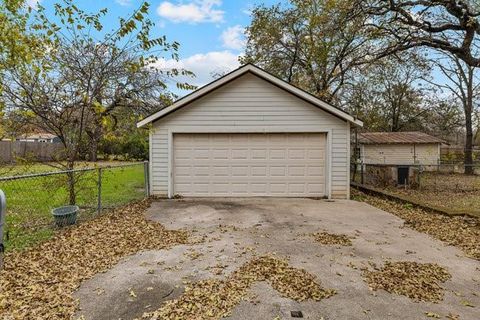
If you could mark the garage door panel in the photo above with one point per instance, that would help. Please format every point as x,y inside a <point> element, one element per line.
<point>220,153</point>
<point>259,171</point>
<point>296,188</point>
<point>316,153</point>
<point>240,171</point>
<point>259,154</point>
<point>183,154</point>
<point>278,154</point>
<point>296,171</point>
<point>239,188</point>
<point>296,154</point>
<point>199,171</point>
<point>240,153</point>
<point>317,171</point>
<point>279,188</point>
<point>220,188</point>
<point>249,164</point>
<point>199,153</point>
<point>220,171</point>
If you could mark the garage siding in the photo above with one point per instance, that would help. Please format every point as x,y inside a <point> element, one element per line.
<point>245,103</point>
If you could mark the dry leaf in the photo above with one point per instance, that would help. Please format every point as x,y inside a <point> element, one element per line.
<point>467,304</point>
<point>418,281</point>
<point>38,283</point>
<point>215,298</point>
<point>332,239</point>
<point>462,232</point>
<point>432,315</point>
<point>132,293</point>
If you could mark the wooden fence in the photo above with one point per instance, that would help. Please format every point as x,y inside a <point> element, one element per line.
<point>11,151</point>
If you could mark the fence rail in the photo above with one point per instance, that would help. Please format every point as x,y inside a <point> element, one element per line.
<point>32,197</point>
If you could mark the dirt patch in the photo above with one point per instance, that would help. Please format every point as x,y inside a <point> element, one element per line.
<point>38,283</point>
<point>332,239</point>
<point>214,299</point>
<point>462,232</point>
<point>418,281</point>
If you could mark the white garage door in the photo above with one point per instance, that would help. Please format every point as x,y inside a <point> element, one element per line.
<point>274,164</point>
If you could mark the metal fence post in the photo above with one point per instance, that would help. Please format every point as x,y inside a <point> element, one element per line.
<point>3,210</point>
<point>146,175</point>
<point>99,196</point>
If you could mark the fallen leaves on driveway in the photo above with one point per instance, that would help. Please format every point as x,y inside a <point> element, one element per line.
<point>462,232</point>
<point>214,298</point>
<point>332,239</point>
<point>38,283</point>
<point>418,281</point>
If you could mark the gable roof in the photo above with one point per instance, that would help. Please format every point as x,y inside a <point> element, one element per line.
<point>250,68</point>
<point>415,137</point>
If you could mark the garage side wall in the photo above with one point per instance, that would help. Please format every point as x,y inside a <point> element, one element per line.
<point>251,104</point>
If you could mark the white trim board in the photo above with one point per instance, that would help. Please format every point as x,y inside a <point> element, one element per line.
<point>260,73</point>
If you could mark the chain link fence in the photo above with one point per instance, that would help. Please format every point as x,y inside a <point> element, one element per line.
<point>452,187</point>
<point>31,198</point>
<point>418,176</point>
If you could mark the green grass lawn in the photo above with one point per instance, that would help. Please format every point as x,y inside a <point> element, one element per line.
<point>30,200</point>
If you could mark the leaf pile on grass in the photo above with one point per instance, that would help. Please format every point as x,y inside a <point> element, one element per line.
<point>418,281</point>
<point>38,283</point>
<point>214,298</point>
<point>462,232</point>
<point>326,238</point>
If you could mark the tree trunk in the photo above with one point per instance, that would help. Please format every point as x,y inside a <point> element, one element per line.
<point>468,161</point>
<point>94,150</point>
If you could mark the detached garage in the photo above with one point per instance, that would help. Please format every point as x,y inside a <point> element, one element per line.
<point>250,134</point>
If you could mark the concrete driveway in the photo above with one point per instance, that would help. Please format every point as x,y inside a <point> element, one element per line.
<point>234,230</point>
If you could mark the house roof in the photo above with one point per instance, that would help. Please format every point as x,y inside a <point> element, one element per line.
<point>415,137</point>
<point>250,68</point>
<point>41,135</point>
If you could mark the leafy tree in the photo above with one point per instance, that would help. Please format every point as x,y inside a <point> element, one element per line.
<point>451,26</point>
<point>17,45</point>
<point>313,44</point>
<point>387,95</point>
<point>445,119</point>
<point>463,83</point>
<point>87,74</point>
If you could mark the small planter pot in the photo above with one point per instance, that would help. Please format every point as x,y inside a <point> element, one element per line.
<point>65,216</point>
